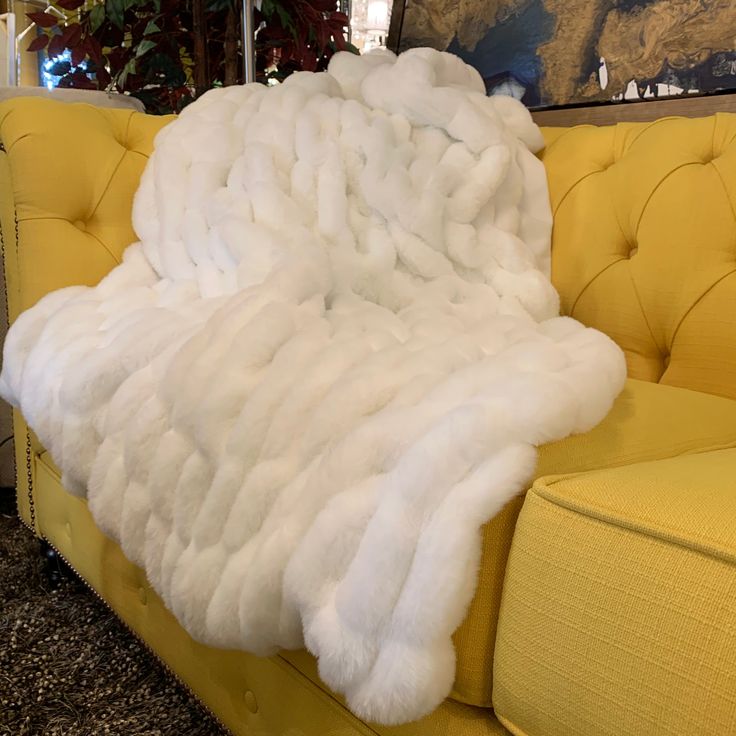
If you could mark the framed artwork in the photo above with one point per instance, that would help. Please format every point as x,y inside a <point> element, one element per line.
<point>555,53</point>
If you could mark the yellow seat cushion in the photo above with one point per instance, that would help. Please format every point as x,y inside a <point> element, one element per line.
<point>648,421</point>
<point>247,693</point>
<point>619,610</point>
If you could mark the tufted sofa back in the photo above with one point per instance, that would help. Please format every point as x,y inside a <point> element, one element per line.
<point>67,179</point>
<point>644,242</point>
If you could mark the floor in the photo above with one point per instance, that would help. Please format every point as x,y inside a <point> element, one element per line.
<point>67,666</point>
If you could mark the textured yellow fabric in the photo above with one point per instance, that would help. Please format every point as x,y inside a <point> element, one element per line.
<point>644,249</point>
<point>644,243</point>
<point>9,246</point>
<point>285,691</point>
<point>619,610</point>
<point>648,421</point>
<point>73,194</point>
<point>68,199</point>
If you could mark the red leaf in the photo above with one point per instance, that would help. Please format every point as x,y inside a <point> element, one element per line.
<point>56,46</point>
<point>117,59</point>
<point>94,50</point>
<point>43,20</point>
<point>103,78</point>
<point>323,5</point>
<point>38,43</point>
<point>70,4</point>
<point>81,81</point>
<point>323,35</point>
<point>134,82</point>
<point>309,60</point>
<point>339,41</point>
<point>72,35</point>
<point>78,55</point>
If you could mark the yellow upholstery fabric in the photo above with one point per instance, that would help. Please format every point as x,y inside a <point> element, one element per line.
<point>619,609</point>
<point>72,170</point>
<point>280,696</point>
<point>648,421</point>
<point>68,173</point>
<point>644,243</point>
<point>632,184</point>
<point>644,249</point>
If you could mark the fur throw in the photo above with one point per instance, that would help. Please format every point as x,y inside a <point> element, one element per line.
<point>325,365</point>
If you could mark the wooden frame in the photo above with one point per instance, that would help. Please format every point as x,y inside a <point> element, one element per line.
<point>604,113</point>
<point>636,112</point>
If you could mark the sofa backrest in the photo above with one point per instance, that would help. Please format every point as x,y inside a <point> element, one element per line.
<point>68,173</point>
<point>644,242</point>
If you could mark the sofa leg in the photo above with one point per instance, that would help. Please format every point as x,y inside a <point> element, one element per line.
<point>54,567</point>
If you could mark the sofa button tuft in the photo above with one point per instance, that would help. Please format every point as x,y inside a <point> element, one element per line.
<point>80,225</point>
<point>250,701</point>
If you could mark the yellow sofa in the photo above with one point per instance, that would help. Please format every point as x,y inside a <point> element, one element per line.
<point>606,601</point>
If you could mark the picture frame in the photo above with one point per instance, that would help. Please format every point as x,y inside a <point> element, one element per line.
<point>560,53</point>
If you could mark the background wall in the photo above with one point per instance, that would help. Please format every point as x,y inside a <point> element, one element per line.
<point>562,52</point>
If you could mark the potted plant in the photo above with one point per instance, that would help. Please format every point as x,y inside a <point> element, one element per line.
<point>167,52</point>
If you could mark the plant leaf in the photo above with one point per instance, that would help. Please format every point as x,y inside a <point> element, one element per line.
<point>78,55</point>
<point>81,81</point>
<point>56,46</point>
<point>129,68</point>
<point>115,10</point>
<point>96,17</point>
<point>151,28</point>
<point>72,35</point>
<point>285,17</point>
<point>94,50</point>
<point>215,6</point>
<point>38,43</point>
<point>145,46</point>
<point>43,20</point>
<point>70,4</point>
<point>103,78</point>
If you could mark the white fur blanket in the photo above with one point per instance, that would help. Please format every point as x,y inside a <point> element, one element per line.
<point>326,364</point>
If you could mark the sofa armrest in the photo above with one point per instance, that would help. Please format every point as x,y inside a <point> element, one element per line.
<point>648,421</point>
<point>68,173</point>
<point>619,603</point>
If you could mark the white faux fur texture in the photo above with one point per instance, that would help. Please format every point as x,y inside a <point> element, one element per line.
<point>326,364</point>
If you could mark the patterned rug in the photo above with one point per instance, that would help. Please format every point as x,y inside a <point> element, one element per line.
<point>68,667</point>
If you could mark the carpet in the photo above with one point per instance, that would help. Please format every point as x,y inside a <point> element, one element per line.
<point>68,667</point>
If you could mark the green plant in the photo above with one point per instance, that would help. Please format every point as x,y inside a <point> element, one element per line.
<point>167,52</point>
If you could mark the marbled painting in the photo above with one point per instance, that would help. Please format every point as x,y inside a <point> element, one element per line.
<point>563,52</point>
